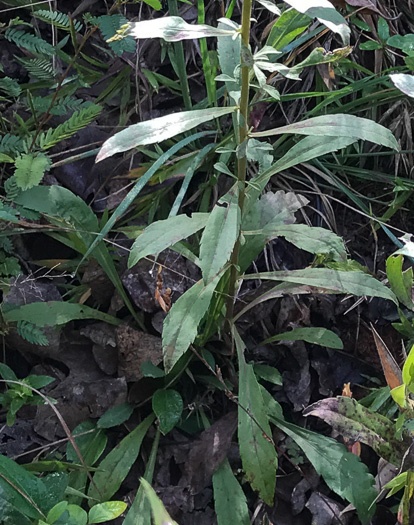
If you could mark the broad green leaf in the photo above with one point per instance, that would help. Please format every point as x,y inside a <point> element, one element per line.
<point>408,371</point>
<point>168,406</point>
<point>229,57</point>
<point>56,511</point>
<point>115,416</point>
<point>401,283</point>
<point>339,125</point>
<point>158,129</point>
<point>404,83</point>
<point>162,234</point>
<point>316,336</point>
<point>77,516</point>
<point>286,28</point>
<point>356,422</point>
<point>174,29</point>
<point>181,323</point>
<point>160,515</point>
<point>325,12</point>
<point>229,500</point>
<point>309,238</point>
<point>155,4</point>
<point>219,236</point>
<point>103,512</point>
<point>31,496</point>
<point>30,169</point>
<point>268,373</point>
<point>52,313</point>
<point>114,468</point>
<point>356,283</point>
<point>343,472</point>
<point>258,455</point>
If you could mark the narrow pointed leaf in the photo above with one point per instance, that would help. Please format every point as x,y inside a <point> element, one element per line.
<point>229,500</point>
<point>325,12</point>
<point>161,234</point>
<point>114,468</point>
<point>316,336</point>
<point>356,283</point>
<point>258,455</point>
<point>174,29</point>
<point>343,472</point>
<point>338,126</point>
<point>219,236</point>
<point>181,323</point>
<point>392,371</point>
<point>158,129</point>
<point>160,515</point>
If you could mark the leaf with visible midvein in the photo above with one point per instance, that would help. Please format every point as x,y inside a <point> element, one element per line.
<point>229,499</point>
<point>258,455</point>
<point>174,29</point>
<point>316,336</point>
<point>161,234</point>
<point>158,129</point>
<point>338,126</point>
<point>343,472</point>
<point>325,12</point>
<point>114,468</point>
<point>219,236</point>
<point>356,283</point>
<point>181,323</point>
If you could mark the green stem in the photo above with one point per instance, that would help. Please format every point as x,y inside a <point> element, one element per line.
<point>179,55</point>
<point>241,137</point>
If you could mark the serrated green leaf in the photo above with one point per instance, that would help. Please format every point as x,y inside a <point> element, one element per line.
<point>356,283</point>
<point>229,500</point>
<point>316,336</point>
<point>219,236</point>
<point>103,512</point>
<point>181,323</point>
<point>339,125</point>
<point>258,455</point>
<point>116,465</point>
<point>158,129</point>
<point>162,234</point>
<point>30,169</point>
<point>168,406</point>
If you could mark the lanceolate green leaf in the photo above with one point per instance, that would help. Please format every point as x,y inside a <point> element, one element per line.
<point>317,336</point>
<point>161,234</point>
<point>286,28</point>
<point>342,471</point>
<point>159,514</point>
<point>219,236</point>
<point>181,323</point>
<point>54,313</point>
<point>258,455</point>
<point>325,12</point>
<point>229,500</point>
<point>356,283</point>
<point>338,126</point>
<point>158,129</point>
<point>114,468</point>
<point>174,29</point>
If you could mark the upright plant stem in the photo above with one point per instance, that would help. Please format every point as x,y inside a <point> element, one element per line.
<point>241,137</point>
<point>179,54</point>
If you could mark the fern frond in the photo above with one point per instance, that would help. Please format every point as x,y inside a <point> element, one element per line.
<point>109,24</point>
<point>30,168</point>
<point>40,68</point>
<point>11,144</point>
<point>59,20</point>
<point>79,120</point>
<point>32,333</point>
<point>10,86</point>
<point>30,42</point>
<point>61,106</point>
<point>11,188</point>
